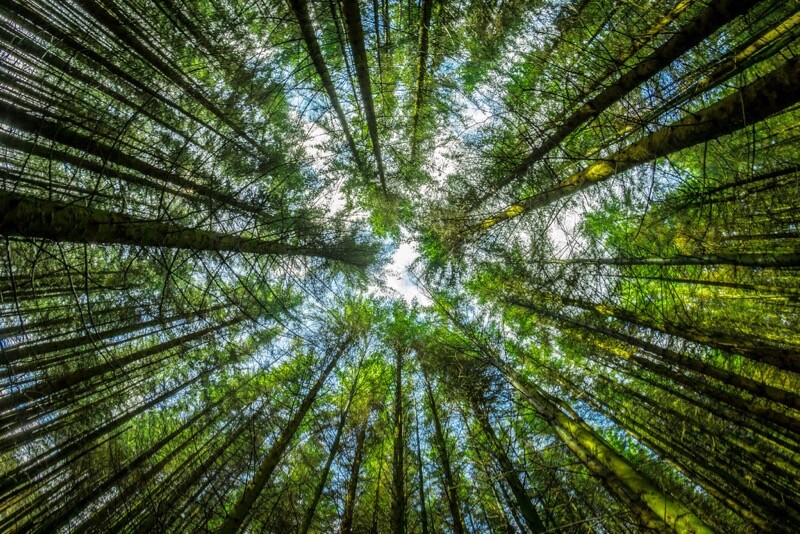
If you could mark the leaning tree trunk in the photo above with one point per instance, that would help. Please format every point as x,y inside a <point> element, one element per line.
<point>422,67</point>
<point>355,34</point>
<point>33,217</point>
<point>450,489</point>
<point>235,519</point>
<point>754,387</point>
<point>300,9</point>
<point>652,506</point>
<point>717,14</point>
<point>323,476</point>
<point>352,481</point>
<point>532,519</point>
<point>755,102</point>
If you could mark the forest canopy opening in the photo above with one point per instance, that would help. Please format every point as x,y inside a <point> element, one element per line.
<point>399,266</point>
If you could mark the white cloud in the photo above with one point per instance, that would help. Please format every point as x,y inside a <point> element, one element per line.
<point>397,280</point>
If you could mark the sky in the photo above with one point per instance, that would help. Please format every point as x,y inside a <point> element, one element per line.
<point>396,279</point>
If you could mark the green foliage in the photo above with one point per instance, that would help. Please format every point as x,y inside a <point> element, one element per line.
<point>199,205</point>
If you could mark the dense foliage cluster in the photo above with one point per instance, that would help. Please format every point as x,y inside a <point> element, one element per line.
<point>202,203</point>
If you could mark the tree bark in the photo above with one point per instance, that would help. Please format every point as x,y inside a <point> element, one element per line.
<point>31,217</point>
<point>754,103</point>
<point>235,519</point>
<point>716,15</point>
<point>398,510</point>
<point>355,34</point>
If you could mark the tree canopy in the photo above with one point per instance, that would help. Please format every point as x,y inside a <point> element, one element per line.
<point>395,266</point>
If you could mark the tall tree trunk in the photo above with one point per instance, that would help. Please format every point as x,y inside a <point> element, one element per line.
<point>653,507</point>
<point>55,521</point>
<point>171,494</point>
<point>785,358</point>
<point>752,386</point>
<point>32,217</point>
<point>13,354</point>
<point>70,380</point>
<point>29,470</point>
<point>744,259</point>
<point>300,9</point>
<point>355,34</point>
<point>422,67</point>
<point>86,144</point>
<point>757,101</point>
<point>308,517</point>
<point>450,486</point>
<point>421,478</point>
<point>323,477</point>
<point>352,482</point>
<point>235,519</point>
<point>532,519</point>
<point>716,15</point>
<point>375,505</point>
<point>398,511</point>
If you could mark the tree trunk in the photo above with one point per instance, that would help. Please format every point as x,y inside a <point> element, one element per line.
<point>422,66</point>
<point>654,508</point>
<point>352,483</point>
<point>31,217</point>
<point>716,15</point>
<point>355,34</point>
<point>235,519</point>
<point>300,9</point>
<point>754,103</point>
<point>68,381</point>
<point>323,478</point>
<point>752,386</point>
<point>421,478</point>
<point>532,519</point>
<point>450,486</point>
<point>398,511</point>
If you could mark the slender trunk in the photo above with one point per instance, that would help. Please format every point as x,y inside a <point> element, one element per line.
<point>335,6</point>
<point>421,478</point>
<point>13,354</point>
<point>532,519</point>
<point>32,468</point>
<point>123,28</point>
<point>355,34</point>
<point>684,465</point>
<point>54,522</point>
<point>70,380</point>
<point>422,66</point>
<point>762,413</point>
<point>783,358</point>
<point>760,289</point>
<point>300,9</point>
<point>52,324</point>
<point>398,510</point>
<point>653,507</point>
<point>168,498</point>
<point>376,505</point>
<point>69,43</point>
<point>733,189</point>
<point>32,217</point>
<point>450,486</point>
<point>756,260</point>
<point>323,477</point>
<point>752,386</point>
<point>716,15</point>
<point>154,178</point>
<point>352,483</point>
<point>754,103</point>
<point>235,519</point>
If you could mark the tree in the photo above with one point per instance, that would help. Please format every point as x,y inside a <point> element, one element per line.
<point>399,266</point>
